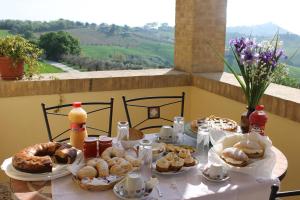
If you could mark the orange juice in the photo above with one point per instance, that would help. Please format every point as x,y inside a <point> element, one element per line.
<point>77,117</point>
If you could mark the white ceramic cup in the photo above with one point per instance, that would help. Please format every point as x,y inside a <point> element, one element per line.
<point>215,170</point>
<point>166,133</point>
<point>134,185</point>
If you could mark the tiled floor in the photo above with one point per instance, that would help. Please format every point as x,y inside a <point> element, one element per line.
<point>5,193</point>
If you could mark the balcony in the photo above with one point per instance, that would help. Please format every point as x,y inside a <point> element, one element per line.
<point>197,72</point>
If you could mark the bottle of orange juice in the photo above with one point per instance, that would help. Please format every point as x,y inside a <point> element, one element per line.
<point>77,117</point>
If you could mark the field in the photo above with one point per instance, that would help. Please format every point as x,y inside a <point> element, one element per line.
<point>46,68</point>
<point>3,33</point>
<point>294,72</point>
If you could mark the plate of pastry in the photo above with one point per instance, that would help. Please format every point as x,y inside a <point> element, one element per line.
<point>175,163</point>
<point>219,123</point>
<point>39,162</point>
<point>248,153</point>
<point>99,174</point>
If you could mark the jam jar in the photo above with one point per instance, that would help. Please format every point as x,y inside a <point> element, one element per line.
<point>104,143</point>
<point>90,147</point>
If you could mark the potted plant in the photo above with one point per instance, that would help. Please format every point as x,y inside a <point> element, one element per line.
<point>16,51</point>
<point>258,65</point>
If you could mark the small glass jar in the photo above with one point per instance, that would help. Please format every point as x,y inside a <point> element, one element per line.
<point>104,143</point>
<point>90,147</point>
<point>178,130</point>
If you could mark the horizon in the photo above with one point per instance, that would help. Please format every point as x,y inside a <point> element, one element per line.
<point>122,12</point>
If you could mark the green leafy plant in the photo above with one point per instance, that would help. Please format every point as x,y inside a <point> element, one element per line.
<point>21,50</point>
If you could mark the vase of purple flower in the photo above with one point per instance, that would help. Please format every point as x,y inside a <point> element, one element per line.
<point>258,64</point>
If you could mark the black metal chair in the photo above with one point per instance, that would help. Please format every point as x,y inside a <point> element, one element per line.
<point>153,110</point>
<point>275,194</point>
<point>57,111</point>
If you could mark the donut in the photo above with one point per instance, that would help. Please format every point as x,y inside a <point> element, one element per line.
<point>112,152</point>
<point>37,158</point>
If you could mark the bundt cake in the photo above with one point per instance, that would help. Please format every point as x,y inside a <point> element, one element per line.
<point>37,158</point>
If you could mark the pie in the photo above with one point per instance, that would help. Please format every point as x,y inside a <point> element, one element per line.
<point>216,122</point>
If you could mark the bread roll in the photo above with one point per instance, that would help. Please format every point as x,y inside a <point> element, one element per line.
<point>87,172</point>
<point>251,148</point>
<point>235,157</point>
<point>92,162</point>
<point>102,168</point>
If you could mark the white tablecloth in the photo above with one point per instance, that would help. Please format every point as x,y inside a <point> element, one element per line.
<point>190,185</point>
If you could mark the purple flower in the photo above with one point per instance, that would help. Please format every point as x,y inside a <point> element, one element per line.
<point>241,43</point>
<point>267,58</point>
<point>249,56</point>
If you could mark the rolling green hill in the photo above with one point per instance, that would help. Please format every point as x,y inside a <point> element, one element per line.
<point>3,33</point>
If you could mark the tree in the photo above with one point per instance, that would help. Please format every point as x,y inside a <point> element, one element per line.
<point>57,44</point>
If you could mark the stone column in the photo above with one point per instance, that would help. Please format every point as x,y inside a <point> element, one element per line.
<point>199,22</point>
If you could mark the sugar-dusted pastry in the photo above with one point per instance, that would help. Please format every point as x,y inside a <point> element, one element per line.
<point>102,168</point>
<point>170,148</point>
<point>176,164</point>
<point>184,153</point>
<point>92,162</point>
<point>162,165</point>
<point>112,152</point>
<point>252,148</point>
<point>87,172</point>
<point>235,157</point>
<point>171,156</point>
<point>134,161</point>
<point>189,161</point>
<point>121,169</point>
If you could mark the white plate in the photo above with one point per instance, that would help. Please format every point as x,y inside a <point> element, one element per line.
<point>182,170</point>
<point>58,171</point>
<point>207,177</point>
<point>125,198</point>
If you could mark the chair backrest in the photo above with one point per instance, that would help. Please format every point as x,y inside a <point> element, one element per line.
<point>97,107</point>
<point>153,110</point>
<point>275,194</point>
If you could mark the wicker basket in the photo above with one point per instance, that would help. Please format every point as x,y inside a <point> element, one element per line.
<point>96,187</point>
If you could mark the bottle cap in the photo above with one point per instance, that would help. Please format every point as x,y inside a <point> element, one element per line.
<point>77,104</point>
<point>259,107</point>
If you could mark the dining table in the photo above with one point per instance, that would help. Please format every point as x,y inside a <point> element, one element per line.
<point>188,185</point>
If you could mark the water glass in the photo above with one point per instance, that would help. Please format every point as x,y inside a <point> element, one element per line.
<point>178,130</point>
<point>145,154</point>
<point>203,143</point>
<point>122,131</point>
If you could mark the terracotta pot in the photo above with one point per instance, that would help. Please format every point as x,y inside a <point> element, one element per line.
<point>245,120</point>
<point>10,72</point>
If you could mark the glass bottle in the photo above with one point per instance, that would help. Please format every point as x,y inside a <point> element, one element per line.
<point>145,154</point>
<point>122,132</point>
<point>203,143</point>
<point>178,130</point>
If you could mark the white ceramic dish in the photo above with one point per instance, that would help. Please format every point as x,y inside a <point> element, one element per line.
<point>225,176</point>
<point>118,188</point>
<point>58,171</point>
<point>182,170</point>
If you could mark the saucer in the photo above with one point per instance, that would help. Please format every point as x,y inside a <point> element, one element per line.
<point>119,191</point>
<point>222,178</point>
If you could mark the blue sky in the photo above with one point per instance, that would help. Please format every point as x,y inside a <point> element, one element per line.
<point>285,13</point>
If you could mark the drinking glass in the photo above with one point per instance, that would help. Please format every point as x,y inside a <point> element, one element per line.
<point>178,130</point>
<point>122,132</point>
<point>145,154</point>
<point>203,143</point>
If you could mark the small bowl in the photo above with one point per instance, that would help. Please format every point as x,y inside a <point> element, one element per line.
<point>135,136</point>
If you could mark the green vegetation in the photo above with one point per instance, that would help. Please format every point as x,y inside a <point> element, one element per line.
<point>46,68</point>
<point>20,49</point>
<point>3,33</point>
<point>57,44</point>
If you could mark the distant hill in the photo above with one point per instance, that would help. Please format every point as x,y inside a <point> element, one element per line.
<point>267,29</point>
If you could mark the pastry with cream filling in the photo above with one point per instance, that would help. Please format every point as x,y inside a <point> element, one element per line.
<point>251,148</point>
<point>235,157</point>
